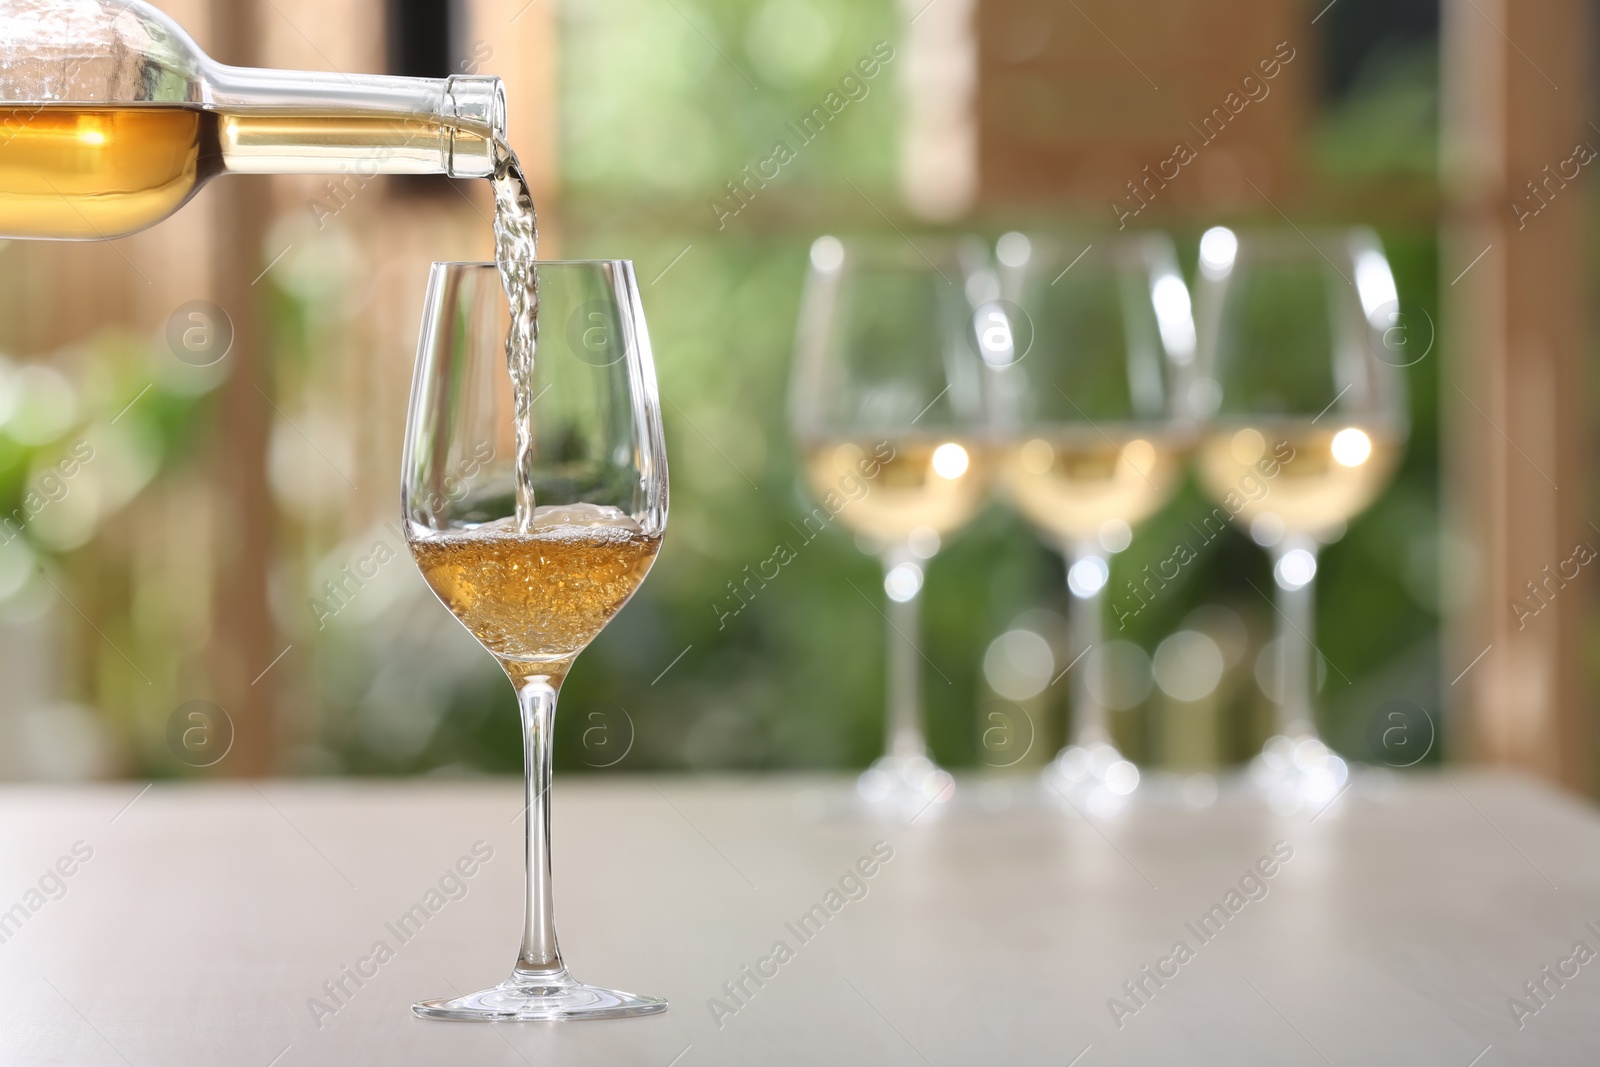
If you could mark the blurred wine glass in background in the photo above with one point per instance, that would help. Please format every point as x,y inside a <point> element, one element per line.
<point>1091,436</point>
<point>1306,424</point>
<point>887,410</point>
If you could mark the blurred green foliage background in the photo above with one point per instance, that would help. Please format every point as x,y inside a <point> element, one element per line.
<point>661,106</point>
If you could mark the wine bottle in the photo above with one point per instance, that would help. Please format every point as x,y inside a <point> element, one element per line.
<point>111,118</point>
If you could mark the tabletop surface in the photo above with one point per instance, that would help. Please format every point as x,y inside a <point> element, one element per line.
<point>230,924</point>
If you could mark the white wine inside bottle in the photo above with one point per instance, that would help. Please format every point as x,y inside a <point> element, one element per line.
<point>92,172</point>
<point>81,172</point>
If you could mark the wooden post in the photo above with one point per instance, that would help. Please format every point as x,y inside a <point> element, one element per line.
<point>1088,104</point>
<point>244,640</point>
<point>1516,343</point>
<point>518,41</point>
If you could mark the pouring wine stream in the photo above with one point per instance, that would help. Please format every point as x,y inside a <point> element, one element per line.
<point>516,239</point>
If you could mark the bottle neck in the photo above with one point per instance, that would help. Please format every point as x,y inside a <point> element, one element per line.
<point>314,122</point>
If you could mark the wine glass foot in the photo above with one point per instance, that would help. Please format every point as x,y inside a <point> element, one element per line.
<point>1298,772</point>
<point>908,786</point>
<point>1095,775</point>
<point>528,997</point>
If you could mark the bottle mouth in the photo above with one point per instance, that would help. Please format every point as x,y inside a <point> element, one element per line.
<point>475,108</point>
<point>477,101</point>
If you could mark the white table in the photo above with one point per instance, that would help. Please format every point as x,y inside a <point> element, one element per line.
<point>209,916</point>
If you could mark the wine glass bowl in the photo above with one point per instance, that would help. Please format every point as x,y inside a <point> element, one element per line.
<point>1291,352</point>
<point>1299,401</point>
<point>534,519</point>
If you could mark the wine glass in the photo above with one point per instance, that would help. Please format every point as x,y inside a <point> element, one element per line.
<point>1307,421</point>
<point>1090,423</point>
<point>887,410</point>
<point>535,556</point>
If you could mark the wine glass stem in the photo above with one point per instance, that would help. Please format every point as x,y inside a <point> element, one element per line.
<point>1085,621</point>
<point>904,678</point>
<point>540,954</point>
<point>1296,623</point>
